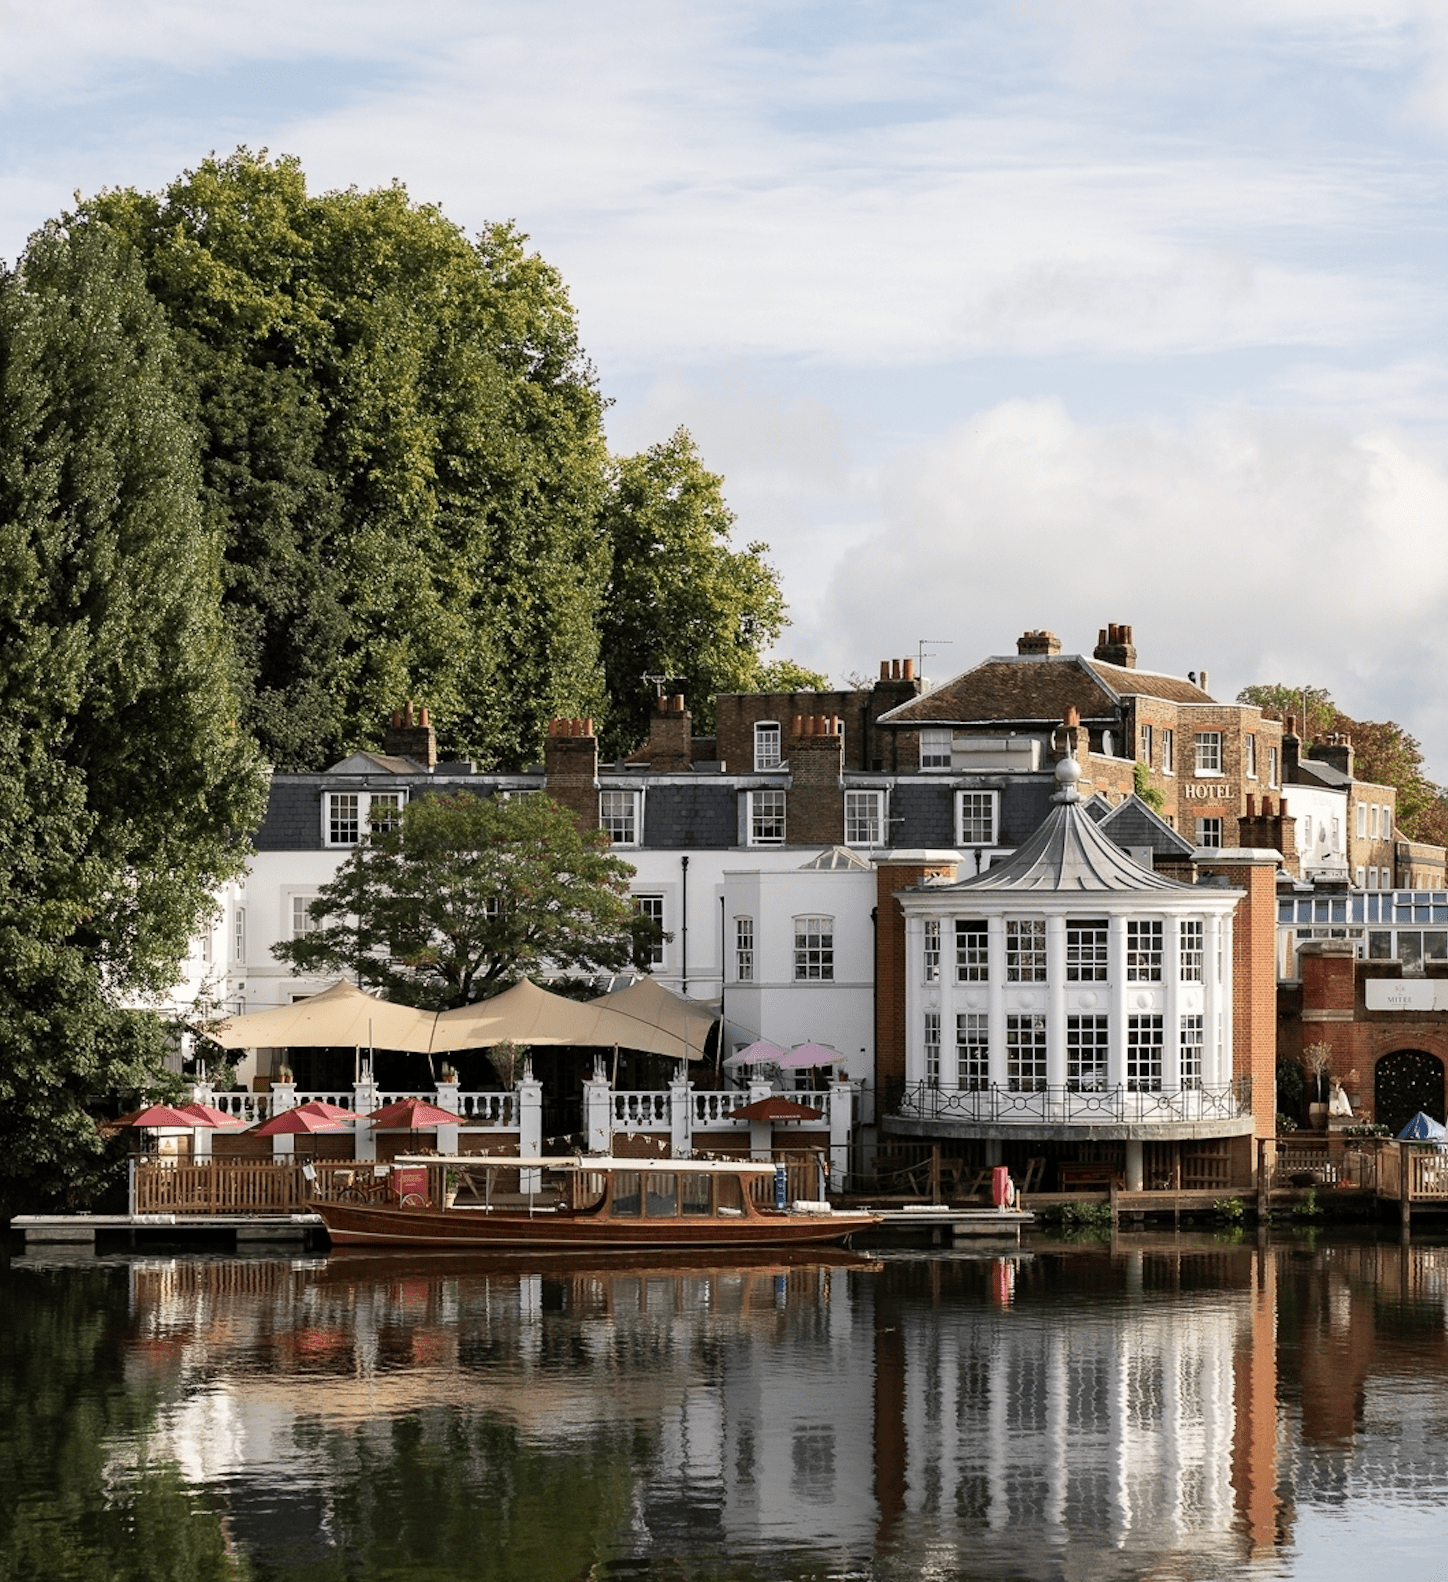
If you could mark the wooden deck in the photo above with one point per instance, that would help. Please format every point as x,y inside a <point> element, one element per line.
<point>82,1229</point>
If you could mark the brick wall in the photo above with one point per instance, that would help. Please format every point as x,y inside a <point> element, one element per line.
<point>571,768</point>
<point>815,806</point>
<point>890,966</point>
<point>1254,981</point>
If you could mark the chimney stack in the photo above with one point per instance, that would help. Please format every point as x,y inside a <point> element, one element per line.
<point>1038,642</point>
<point>570,766</point>
<point>411,736</point>
<point>1114,647</point>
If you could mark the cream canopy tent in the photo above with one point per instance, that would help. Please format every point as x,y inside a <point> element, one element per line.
<point>341,1015</point>
<point>644,1017</point>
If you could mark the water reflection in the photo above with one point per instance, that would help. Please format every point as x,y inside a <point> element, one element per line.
<point>1171,1405</point>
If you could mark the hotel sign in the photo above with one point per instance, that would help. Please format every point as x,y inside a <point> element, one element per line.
<point>1209,791</point>
<point>1407,994</point>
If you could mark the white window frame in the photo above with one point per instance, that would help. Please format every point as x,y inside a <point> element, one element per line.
<point>984,815</point>
<point>1362,821</point>
<point>1146,745</point>
<point>346,811</point>
<point>1168,751</point>
<point>362,802</point>
<point>766,813</point>
<point>972,960</point>
<point>1191,950</point>
<point>301,924</point>
<point>651,904</point>
<point>768,746</point>
<point>1191,1047</point>
<point>1145,1045</point>
<point>932,1048</point>
<point>619,809</point>
<point>814,949</point>
<point>1088,1039</point>
<point>1208,761</point>
<point>1272,761</point>
<point>1026,950</point>
<point>936,745</point>
<point>1249,755</point>
<point>1087,944</point>
<point>744,950</point>
<point>1026,1052</point>
<point>972,1051</point>
<point>1209,833</point>
<point>238,934</point>
<point>930,964</point>
<point>1362,875</point>
<point>868,826</point>
<point>1144,950</point>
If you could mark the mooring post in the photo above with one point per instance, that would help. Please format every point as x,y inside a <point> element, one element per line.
<point>1405,1186</point>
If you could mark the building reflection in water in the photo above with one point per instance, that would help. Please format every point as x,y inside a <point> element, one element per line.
<point>1161,1405</point>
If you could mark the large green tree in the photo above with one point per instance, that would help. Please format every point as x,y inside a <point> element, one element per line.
<point>126,787</point>
<point>1384,753</point>
<point>466,896</point>
<point>681,604</point>
<point>401,451</point>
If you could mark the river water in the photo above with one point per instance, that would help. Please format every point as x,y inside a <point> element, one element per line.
<point>1165,1406</point>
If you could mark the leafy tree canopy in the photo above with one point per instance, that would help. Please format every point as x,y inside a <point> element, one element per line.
<point>466,896</point>
<point>680,602</point>
<point>401,451</point>
<point>125,784</point>
<point>1383,753</point>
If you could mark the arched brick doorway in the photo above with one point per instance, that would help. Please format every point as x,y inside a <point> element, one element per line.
<point>1405,1082</point>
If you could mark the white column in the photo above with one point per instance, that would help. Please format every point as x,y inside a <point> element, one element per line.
<point>528,1096</point>
<point>1171,1019</point>
<point>842,1103</point>
<point>761,1133</point>
<point>201,1137</point>
<point>996,998</point>
<point>1056,1001</point>
<point>283,1097</point>
<point>1212,952</point>
<point>447,1099</point>
<point>364,1101</point>
<point>681,1117</point>
<point>598,1115</point>
<point>1116,968</point>
<point>1135,1166</point>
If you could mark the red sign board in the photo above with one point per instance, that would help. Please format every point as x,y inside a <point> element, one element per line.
<point>409,1185</point>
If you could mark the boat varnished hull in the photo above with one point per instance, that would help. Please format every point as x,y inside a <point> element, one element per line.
<point>358,1225</point>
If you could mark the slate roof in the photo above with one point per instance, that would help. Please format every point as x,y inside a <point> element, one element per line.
<point>1068,853</point>
<point>362,763</point>
<point>1038,688</point>
<point>1133,823</point>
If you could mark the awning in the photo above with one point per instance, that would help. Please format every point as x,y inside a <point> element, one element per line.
<point>659,1022</point>
<point>340,1016</point>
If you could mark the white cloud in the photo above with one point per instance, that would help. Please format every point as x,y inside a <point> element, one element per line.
<point>1259,548</point>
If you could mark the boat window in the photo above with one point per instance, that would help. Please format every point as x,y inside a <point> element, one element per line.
<point>663,1195</point>
<point>694,1194</point>
<point>626,1194</point>
<point>731,1198</point>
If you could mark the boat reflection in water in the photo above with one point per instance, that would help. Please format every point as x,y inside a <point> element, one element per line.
<point>1077,1412</point>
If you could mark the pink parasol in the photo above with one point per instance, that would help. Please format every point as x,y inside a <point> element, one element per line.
<point>804,1055</point>
<point>412,1115</point>
<point>314,1116</point>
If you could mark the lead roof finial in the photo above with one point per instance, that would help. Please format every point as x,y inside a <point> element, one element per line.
<point>1068,772</point>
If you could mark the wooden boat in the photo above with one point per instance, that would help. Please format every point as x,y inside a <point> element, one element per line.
<point>603,1204</point>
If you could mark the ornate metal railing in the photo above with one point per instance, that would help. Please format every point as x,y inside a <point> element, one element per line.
<point>1063,1105</point>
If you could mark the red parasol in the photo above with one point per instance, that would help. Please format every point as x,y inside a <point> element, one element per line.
<point>775,1108</point>
<point>314,1116</point>
<point>209,1115</point>
<point>412,1115</point>
<point>159,1115</point>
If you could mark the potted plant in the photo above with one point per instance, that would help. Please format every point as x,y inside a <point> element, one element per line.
<point>452,1179</point>
<point>1317,1062</point>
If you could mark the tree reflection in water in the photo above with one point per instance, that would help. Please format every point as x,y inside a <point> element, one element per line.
<point>1165,1405</point>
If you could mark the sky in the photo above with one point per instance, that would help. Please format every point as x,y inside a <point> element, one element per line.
<point>994,316</point>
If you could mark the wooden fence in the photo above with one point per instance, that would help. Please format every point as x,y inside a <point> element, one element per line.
<point>233,1186</point>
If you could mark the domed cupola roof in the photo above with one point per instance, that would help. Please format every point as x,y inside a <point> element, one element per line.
<point>1069,852</point>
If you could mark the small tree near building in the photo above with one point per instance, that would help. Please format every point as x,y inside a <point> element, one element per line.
<point>466,896</point>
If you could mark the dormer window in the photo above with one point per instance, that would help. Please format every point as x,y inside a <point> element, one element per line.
<point>348,817</point>
<point>767,744</point>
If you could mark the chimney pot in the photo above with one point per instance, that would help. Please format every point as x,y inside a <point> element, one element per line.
<point>909,669</point>
<point>894,670</point>
<point>424,719</point>
<point>884,670</point>
<point>797,725</point>
<point>396,719</point>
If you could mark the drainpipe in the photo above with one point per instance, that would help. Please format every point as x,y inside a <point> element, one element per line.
<point>684,925</point>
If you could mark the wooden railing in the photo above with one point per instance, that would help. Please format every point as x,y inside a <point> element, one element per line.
<point>233,1186</point>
